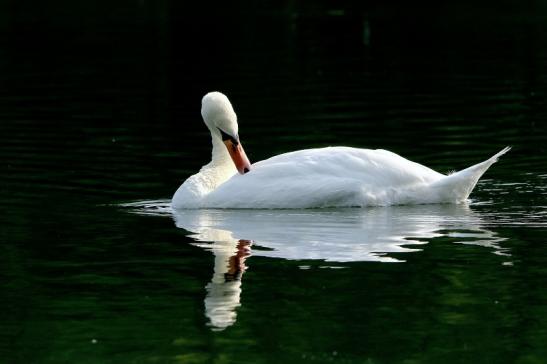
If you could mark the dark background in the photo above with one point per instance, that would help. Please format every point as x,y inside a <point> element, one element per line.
<point>105,72</point>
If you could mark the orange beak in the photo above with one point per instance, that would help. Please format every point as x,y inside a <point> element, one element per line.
<point>238,156</point>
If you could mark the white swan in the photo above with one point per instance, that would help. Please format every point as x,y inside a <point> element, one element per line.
<point>325,177</point>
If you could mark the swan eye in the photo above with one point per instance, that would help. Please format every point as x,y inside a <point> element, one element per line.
<point>225,136</point>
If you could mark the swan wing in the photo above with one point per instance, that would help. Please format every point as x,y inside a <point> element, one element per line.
<point>334,176</point>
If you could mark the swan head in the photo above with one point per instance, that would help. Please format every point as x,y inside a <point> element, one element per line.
<point>221,119</point>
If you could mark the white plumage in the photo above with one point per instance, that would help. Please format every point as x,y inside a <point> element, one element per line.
<point>325,177</point>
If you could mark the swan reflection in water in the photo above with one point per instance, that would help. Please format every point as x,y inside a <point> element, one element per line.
<point>328,235</point>
<point>334,236</point>
<point>224,290</point>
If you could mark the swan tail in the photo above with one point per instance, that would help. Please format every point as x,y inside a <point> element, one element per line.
<point>458,186</point>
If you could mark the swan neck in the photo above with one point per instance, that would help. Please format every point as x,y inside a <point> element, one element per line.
<point>220,156</point>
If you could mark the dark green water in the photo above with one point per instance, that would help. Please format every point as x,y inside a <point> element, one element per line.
<point>100,123</point>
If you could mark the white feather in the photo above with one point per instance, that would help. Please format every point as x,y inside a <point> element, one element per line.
<point>326,177</point>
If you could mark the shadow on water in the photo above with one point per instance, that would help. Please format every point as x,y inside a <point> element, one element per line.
<point>330,237</point>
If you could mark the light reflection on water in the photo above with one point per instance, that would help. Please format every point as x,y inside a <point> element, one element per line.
<point>331,235</point>
<point>336,236</point>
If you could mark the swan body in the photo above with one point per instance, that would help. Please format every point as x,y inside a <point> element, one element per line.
<point>323,177</point>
